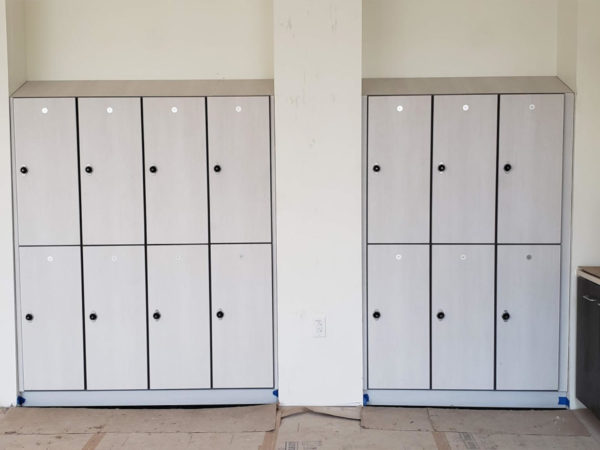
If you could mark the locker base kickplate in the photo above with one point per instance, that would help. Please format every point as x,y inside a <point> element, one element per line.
<point>150,397</point>
<point>471,399</point>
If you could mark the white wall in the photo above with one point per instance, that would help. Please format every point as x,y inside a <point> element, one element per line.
<point>318,145</point>
<point>149,39</point>
<point>584,68</point>
<point>8,379</point>
<point>441,38</point>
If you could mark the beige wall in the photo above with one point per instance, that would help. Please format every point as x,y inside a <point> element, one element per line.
<point>15,30</point>
<point>149,39</point>
<point>585,68</point>
<point>441,38</point>
<point>567,42</point>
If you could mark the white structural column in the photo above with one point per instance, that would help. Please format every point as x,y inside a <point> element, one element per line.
<point>9,76</point>
<point>317,62</point>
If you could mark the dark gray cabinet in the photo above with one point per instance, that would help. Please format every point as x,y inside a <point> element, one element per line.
<point>588,344</point>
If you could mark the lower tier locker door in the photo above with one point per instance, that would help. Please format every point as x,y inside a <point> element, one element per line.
<point>178,308</point>
<point>398,320</point>
<point>115,314</point>
<point>527,317</point>
<point>463,317</point>
<point>51,321</point>
<point>242,322</point>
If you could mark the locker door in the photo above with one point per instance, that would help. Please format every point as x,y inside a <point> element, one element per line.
<point>111,171</point>
<point>115,314</point>
<point>178,308</point>
<point>463,316</point>
<point>242,323</point>
<point>239,169</point>
<point>464,168</point>
<point>398,316</point>
<point>176,185</point>
<point>45,139</point>
<point>399,163</point>
<point>51,320</point>
<point>527,317</point>
<point>530,168</point>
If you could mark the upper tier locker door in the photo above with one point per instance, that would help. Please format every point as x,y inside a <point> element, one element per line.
<point>527,317</point>
<point>51,321</point>
<point>530,169</point>
<point>399,164</point>
<point>110,133</point>
<point>176,185</point>
<point>463,317</point>
<point>115,315</point>
<point>240,166</point>
<point>464,168</point>
<point>242,308</point>
<point>45,138</point>
<point>178,308</point>
<point>398,316</point>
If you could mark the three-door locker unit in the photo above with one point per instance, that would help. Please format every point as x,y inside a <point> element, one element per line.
<point>467,235</point>
<point>143,231</point>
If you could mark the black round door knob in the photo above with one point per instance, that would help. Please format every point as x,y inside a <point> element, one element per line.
<point>442,167</point>
<point>88,169</point>
<point>376,168</point>
<point>441,315</point>
<point>24,170</point>
<point>29,317</point>
<point>156,315</point>
<point>505,316</point>
<point>93,316</point>
<point>153,169</point>
<point>507,167</point>
<point>220,314</point>
<point>217,168</point>
<point>376,315</point>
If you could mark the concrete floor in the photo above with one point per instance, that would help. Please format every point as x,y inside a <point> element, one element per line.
<point>268,428</point>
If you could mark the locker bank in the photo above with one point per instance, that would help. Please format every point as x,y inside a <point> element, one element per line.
<point>332,203</point>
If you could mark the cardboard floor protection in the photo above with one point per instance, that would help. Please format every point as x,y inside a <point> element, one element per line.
<point>83,420</point>
<point>399,419</point>
<point>494,421</point>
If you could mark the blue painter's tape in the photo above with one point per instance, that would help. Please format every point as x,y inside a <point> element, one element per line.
<point>276,393</point>
<point>20,400</point>
<point>365,399</point>
<point>564,401</point>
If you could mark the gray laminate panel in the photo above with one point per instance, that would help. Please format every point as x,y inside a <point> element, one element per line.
<point>176,179</point>
<point>45,141</point>
<point>398,341</point>
<point>464,194</point>
<point>399,148</point>
<point>110,133</point>
<point>531,146</point>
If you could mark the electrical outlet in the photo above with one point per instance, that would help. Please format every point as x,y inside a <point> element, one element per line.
<point>320,327</point>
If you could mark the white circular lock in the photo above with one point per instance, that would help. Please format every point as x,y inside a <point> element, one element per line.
<point>532,107</point>
<point>398,257</point>
<point>109,110</point>
<point>463,257</point>
<point>529,257</point>
<point>50,258</point>
<point>238,108</point>
<point>465,107</point>
<point>174,109</point>
<point>113,258</point>
<point>44,110</point>
<point>400,108</point>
